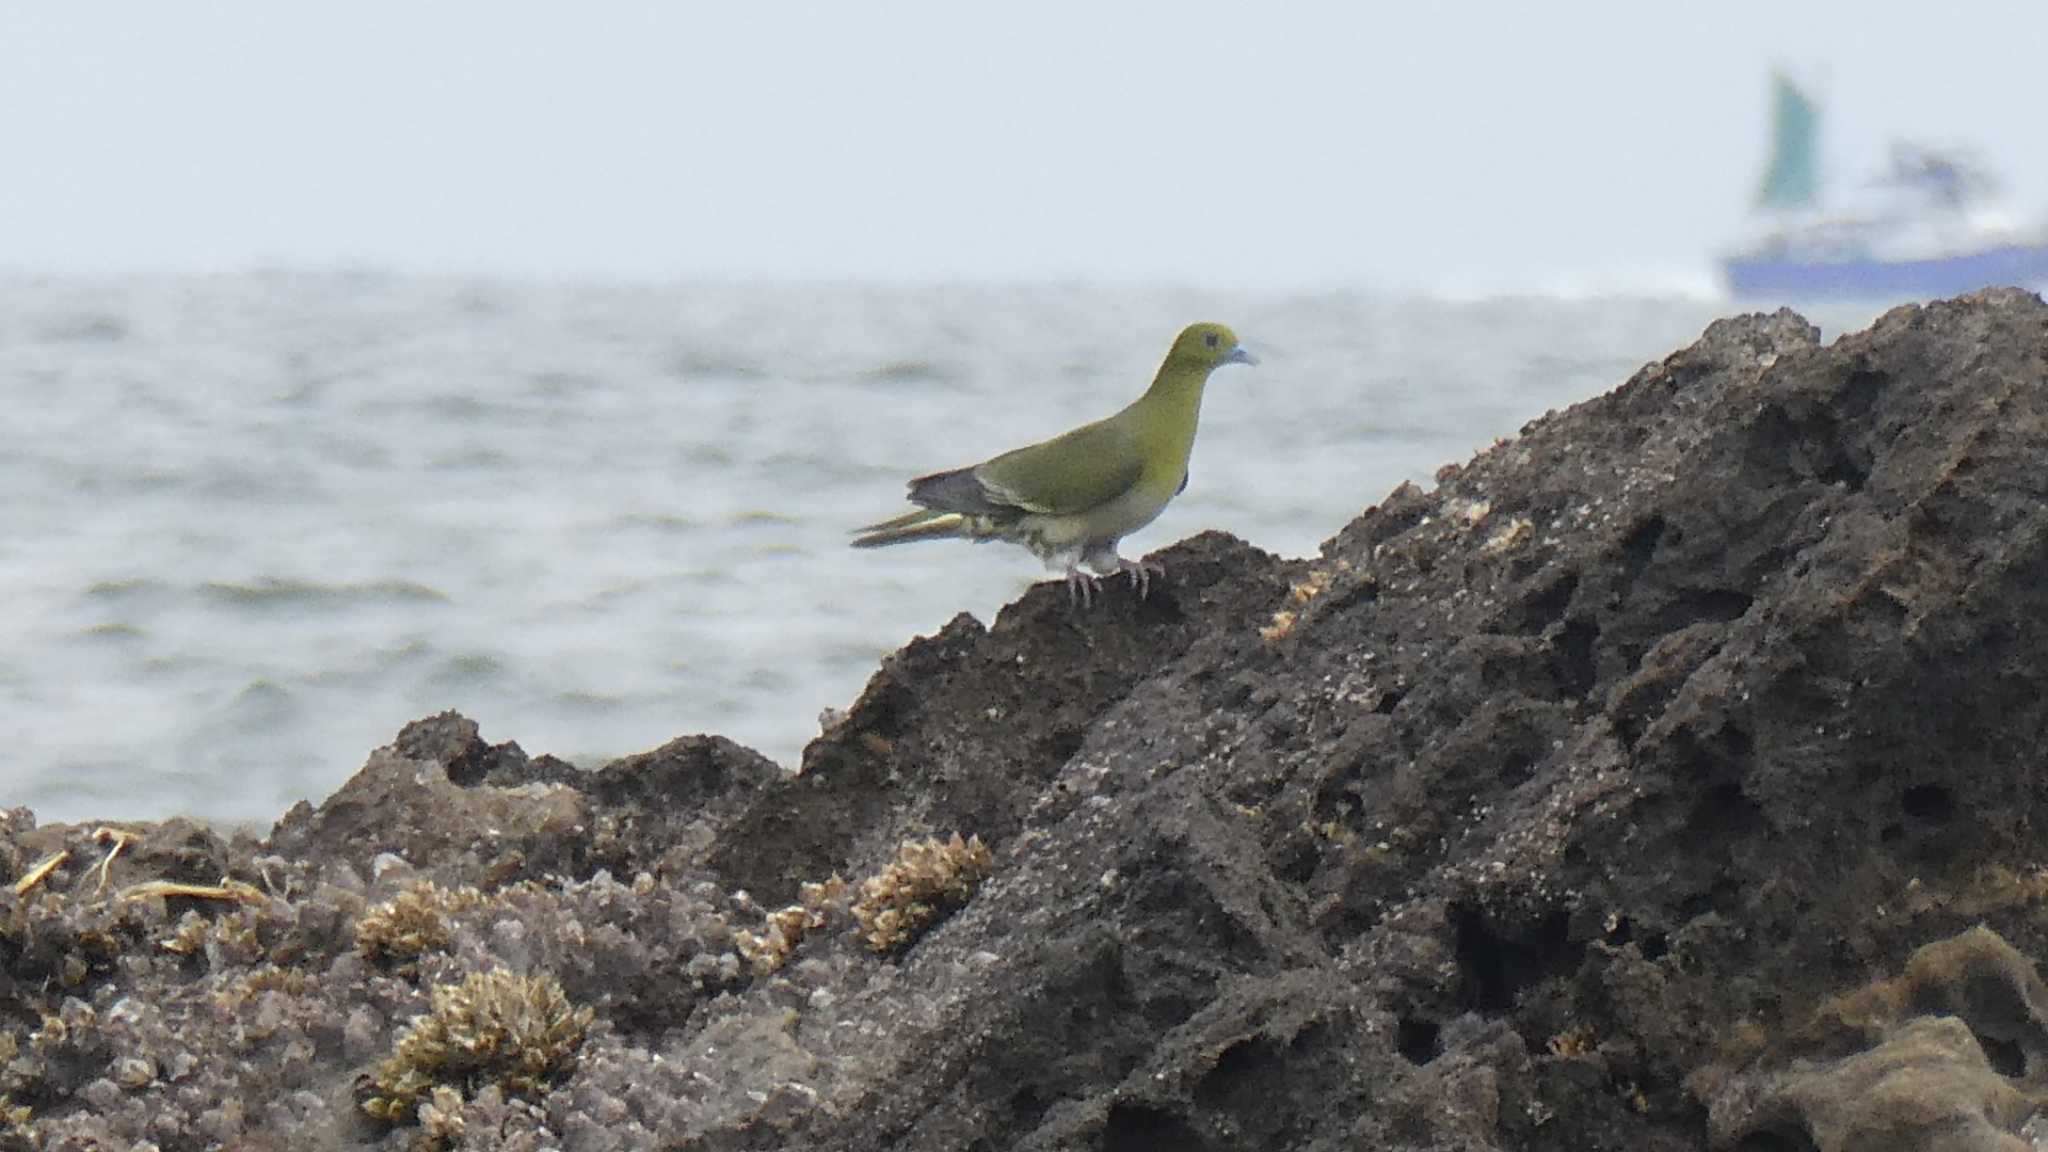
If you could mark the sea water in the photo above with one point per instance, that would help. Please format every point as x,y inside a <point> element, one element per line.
<point>251,525</point>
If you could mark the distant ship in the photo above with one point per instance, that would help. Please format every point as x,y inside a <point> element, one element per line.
<point>1930,225</point>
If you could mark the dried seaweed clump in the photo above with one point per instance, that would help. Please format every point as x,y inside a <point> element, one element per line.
<point>785,929</point>
<point>928,879</point>
<point>519,1033</point>
<point>398,932</point>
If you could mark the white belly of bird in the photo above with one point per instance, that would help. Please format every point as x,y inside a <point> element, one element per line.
<point>1063,539</point>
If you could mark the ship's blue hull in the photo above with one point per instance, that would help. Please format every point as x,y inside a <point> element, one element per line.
<point>1791,277</point>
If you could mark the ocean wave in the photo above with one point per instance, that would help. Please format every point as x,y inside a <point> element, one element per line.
<point>910,372</point>
<point>701,365</point>
<point>284,592</point>
<point>661,523</point>
<point>126,588</point>
<point>83,329</point>
<point>466,669</point>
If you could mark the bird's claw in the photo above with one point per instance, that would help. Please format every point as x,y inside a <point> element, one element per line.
<point>1141,573</point>
<point>1081,588</point>
<point>1083,585</point>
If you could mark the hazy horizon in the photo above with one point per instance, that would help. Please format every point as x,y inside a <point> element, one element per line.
<point>1223,145</point>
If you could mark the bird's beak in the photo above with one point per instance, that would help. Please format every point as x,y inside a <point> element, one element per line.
<point>1238,355</point>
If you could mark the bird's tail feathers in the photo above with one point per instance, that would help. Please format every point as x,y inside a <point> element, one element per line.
<point>923,524</point>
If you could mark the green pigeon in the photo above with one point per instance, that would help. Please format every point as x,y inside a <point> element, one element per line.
<point>1070,499</point>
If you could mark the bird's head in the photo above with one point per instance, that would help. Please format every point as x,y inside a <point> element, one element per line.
<point>1208,346</point>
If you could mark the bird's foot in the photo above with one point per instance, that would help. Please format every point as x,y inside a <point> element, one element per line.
<point>1141,573</point>
<point>1081,587</point>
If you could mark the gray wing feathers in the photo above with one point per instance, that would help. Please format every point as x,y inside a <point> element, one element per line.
<point>958,491</point>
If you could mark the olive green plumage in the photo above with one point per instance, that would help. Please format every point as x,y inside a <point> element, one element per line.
<point>1072,498</point>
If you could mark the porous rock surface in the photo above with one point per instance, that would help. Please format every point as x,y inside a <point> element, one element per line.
<point>1666,778</point>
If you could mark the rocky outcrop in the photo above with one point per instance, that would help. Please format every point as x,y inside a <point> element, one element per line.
<point>1666,778</point>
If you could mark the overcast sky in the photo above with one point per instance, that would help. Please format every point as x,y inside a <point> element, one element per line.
<point>1299,145</point>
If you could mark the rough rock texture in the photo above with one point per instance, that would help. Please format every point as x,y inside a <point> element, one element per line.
<point>1667,778</point>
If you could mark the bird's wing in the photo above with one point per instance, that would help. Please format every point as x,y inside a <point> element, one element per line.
<point>1064,476</point>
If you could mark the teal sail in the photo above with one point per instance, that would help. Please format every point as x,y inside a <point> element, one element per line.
<point>1793,178</point>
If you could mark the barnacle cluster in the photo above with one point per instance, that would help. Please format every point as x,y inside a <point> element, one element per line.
<point>236,938</point>
<point>396,933</point>
<point>766,952</point>
<point>928,879</point>
<point>519,1033</point>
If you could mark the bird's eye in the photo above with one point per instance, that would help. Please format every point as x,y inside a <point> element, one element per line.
<point>1210,339</point>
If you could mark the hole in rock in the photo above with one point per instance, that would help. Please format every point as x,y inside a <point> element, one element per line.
<point>1715,605</point>
<point>1239,1064</point>
<point>1655,945</point>
<point>1928,803</point>
<point>2006,1056</point>
<point>1138,1128</point>
<point>1517,767</point>
<point>1723,896</point>
<point>1550,602</point>
<point>1573,665</point>
<point>1026,1107</point>
<point>1721,816</point>
<point>1418,1038</point>
<point>1778,1139</point>
<point>1641,545</point>
<point>1063,743</point>
<point>1497,967</point>
<point>1295,860</point>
